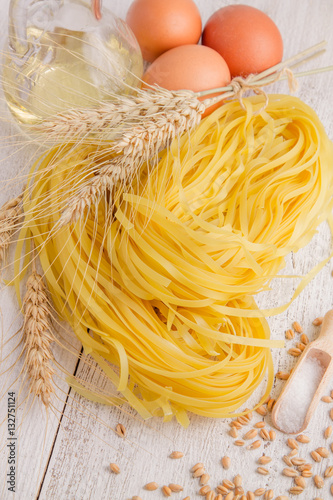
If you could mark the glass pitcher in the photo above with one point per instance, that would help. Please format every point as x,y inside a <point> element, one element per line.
<point>63,54</point>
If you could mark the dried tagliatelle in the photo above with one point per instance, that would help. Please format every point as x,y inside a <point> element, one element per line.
<point>160,290</point>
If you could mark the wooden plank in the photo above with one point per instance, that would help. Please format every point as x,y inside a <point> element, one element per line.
<point>36,431</point>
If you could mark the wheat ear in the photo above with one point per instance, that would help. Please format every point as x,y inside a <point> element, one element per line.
<point>37,337</point>
<point>163,116</point>
<point>9,216</point>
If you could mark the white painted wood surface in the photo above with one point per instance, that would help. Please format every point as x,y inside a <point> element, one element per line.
<point>71,461</point>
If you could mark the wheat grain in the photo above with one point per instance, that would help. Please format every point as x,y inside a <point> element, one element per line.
<point>151,486</point>
<point>260,425</point>
<point>300,481</point>
<point>166,491</point>
<point>121,430</point>
<point>176,488</point>
<point>297,327</point>
<point>263,471</point>
<point>254,445</point>
<point>250,434</point>
<point>262,411</point>
<point>204,490</point>
<point>176,455</point>
<point>319,481</point>
<point>197,466</point>
<point>37,335</point>
<point>329,471</point>
<point>289,472</point>
<point>233,432</point>
<point>302,438</point>
<point>282,375</point>
<point>204,479</point>
<point>289,334</point>
<point>228,484</point>
<point>323,452</point>
<point>264,460</point>
<point>115,468</point>
<point>199,472</point>
<point>292,444</point>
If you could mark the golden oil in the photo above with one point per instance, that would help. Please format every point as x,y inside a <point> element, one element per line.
<point>64,68</point>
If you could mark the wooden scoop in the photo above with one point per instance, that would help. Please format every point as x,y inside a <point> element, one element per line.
<point>320,349</point>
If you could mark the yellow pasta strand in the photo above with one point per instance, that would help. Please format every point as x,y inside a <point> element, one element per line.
<point>161,295</point>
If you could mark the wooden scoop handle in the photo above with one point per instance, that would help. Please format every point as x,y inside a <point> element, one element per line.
<point>325,339</point>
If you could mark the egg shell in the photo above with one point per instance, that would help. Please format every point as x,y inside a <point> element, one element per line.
<point>160,25</point>
<point>248,40</point>
<point>191,67</point>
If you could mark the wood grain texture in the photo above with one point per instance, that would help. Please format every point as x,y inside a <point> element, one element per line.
<point>71,461</point>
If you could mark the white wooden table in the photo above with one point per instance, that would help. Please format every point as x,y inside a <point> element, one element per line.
<point>70,459</point>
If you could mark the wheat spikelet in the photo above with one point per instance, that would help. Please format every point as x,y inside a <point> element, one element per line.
<point>159,124</point>
<point>114,118</point>
<point>9,216</point>
<point>37,338</point>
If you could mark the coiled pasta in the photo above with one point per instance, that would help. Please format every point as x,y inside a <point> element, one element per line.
<point>164,289</point>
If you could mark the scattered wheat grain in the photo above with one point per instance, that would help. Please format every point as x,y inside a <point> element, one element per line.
<point>323,452</point>
<point>302,438</point>
<point>197,466</point>
<point>292,443</point>
<point>300,481</point>
<point>199,472</point>
<point>204,490</point>
<point>121,430</point>
<point>282,375</point>
<point>296,490</point>
<point>254,446</point>
<point>166,491</point>
<point>318,481</point>
<point>250,434</point>
<point>115,468</point>
<point>295,351</point>
<point>262,411</point>
<point>175,487</point>
<point>239,442</point>
<point>151,486</point>
<point>297,327</point>
<point>289,472</point>
<point>204,479</point>
<point>264,460</point>
<point>263,471</point>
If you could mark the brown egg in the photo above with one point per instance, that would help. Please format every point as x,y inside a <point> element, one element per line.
<point>245,37</point>
<point>160,25</point>
<point>192,67</point>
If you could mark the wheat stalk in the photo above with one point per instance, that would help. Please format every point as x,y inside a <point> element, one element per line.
<point>116,118</point>
<point>9,216</point>
<point>37,336</point>
<point>162,116</point>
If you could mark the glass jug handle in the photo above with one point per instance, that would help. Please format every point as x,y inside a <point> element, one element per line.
<point>23,13</point>
<point>17,27</point>
<point>19,16</point>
